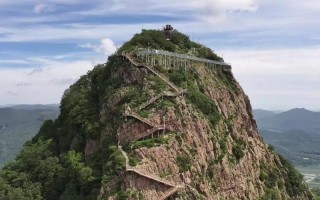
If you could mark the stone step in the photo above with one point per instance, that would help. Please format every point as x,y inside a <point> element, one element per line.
<point>170,192</point>
<point>135,115</point>
<point>127,56</point>
<point>149,132</point>
<point>162,77</point>
<point>155,98</point>
<point>125,156</point>
<point>150,177</point>
<point>149,102</point>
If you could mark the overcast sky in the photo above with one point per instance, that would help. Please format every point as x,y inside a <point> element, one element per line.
<point>273,45</point>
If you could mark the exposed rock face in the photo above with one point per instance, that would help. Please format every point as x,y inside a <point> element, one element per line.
<point>92,146</point>
<point>224,159</point>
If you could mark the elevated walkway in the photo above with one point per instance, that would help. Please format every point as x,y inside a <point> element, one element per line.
<point>153,99</point>
<point>148,176</point>
<point>150,68</point>
<point>173,188</point>
<point>170,192</point>
<point>155,127</point>
<point>149,132</point>
<point>158,52</point>
<point>163,94</point>
<point>162,77</point>
<point>125,156</point>
<point>129,113</point>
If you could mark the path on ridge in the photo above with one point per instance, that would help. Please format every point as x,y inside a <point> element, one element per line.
<point>125,155</point>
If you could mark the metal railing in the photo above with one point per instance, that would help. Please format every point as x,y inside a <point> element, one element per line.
<point>145,52</point>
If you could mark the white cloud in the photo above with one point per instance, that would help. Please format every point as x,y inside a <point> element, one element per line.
<point>181,5</point>
<point>12,92</point>
<point>14,62</point>
<point>217,10</point>
<point>208,10</point>
<point>106,46</point>
<point>63,81</point>
<point>212,10</point>
<point>224,13</point>
<point>281,62</point>
<point>43,8</point>
<point>278,79</point>
<point>70,32</point>
<point>40,85</point>
<point>21,84</point>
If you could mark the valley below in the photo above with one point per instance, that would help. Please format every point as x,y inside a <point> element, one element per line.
<point>294,134</point>
<point>311,175</point>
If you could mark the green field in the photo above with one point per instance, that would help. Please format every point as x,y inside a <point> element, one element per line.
<point>311,175</point>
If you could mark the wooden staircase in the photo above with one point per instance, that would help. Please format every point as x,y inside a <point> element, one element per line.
<point>170,192</point>
<point>125,156</point>
<point>129,113</point>
<point>173,188</point>
<point>154,178</point>
<point>152,69</point>
<point>162,77</point>
<point>149,132</point>
<point>155,98</point>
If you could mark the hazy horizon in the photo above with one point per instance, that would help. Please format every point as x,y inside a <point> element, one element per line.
<point>57,104</point>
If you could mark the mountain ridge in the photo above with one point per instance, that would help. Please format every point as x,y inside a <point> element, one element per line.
<point>290,137</point>
<point>35,106</point>
<point>294,119</point>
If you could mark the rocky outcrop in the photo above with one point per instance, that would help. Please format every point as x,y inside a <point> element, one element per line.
<point>92,146</point>
<point>213,160</point>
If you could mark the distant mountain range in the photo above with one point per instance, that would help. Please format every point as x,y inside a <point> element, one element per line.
<point>295,133</point>
<point>31,106</point>
<point>20,123</point>
<point>260,114</point>
<point>36,106</point>
<point>295,119</point>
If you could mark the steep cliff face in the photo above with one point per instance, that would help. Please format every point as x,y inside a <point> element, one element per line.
<point>157,127</point>
<point>210,147</point>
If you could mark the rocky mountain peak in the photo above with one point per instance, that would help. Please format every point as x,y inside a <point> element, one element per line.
<point>161,119</point>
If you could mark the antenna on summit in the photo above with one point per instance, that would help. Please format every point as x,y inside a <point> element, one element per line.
<point>168,29</point>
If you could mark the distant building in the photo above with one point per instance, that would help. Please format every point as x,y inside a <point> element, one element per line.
<point>168,29</point>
